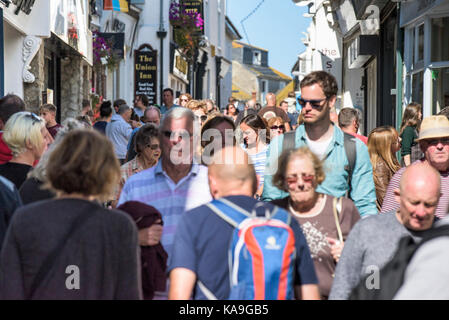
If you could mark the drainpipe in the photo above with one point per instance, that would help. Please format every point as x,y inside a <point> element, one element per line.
<point>162,33</point>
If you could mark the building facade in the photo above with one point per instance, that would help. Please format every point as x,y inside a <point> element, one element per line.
<point>252,77</point>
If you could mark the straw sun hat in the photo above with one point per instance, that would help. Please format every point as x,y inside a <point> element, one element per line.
<point>434,127</point>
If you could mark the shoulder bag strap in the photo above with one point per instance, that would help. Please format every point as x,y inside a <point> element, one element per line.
<point>46,265</point>
<point>337,204</point>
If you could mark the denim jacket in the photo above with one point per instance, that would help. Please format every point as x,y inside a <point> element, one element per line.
<point>363,192</point>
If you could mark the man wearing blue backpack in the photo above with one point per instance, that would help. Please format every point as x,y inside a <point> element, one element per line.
<point>237,247</point>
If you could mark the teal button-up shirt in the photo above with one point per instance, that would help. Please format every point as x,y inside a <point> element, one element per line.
<point>363,192</point>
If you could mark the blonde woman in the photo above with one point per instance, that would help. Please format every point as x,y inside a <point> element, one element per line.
<point>383,143</point>
<point>24,134</point>
<point>184,99</point>
<point>411,121</point>
<point>199,108</point>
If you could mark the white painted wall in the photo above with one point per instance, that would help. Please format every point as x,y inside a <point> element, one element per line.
<point>13,60</point>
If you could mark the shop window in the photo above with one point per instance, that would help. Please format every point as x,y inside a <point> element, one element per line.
<point>417,87</point>
<point>440,43</point>
<point>440,89</point>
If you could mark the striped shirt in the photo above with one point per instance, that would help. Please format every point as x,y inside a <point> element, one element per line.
<point>390,203</point>
<point>259,159</point>
<point>154,187</point>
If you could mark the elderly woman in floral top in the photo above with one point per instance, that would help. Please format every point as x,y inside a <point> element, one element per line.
<point>148,152</point>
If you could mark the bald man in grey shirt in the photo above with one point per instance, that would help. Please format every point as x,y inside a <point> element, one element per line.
<point>373,241</point>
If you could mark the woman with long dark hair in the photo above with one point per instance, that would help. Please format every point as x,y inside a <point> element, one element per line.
<point>411,120</point>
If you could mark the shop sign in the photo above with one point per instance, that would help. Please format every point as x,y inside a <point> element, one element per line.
<point>194,6</point>
<point>181,66</point>
<point>145,72</point>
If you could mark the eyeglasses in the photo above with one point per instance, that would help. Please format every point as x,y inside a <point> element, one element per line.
<point>282,127</point>
<point>315,104</point>
<point>435,142</point>
<point>306,177</point>
<point>183,134</point>
<point>186,100</point>
<point>153,146</point>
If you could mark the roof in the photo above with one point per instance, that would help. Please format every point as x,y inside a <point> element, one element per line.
<point>280,74</point>
<point>232,29</point>
<point>283,93</point>
<point>239,94</point>
<point>267,72</point>
<point>240,44</point>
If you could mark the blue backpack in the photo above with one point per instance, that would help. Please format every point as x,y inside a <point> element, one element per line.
<point>261,254</point>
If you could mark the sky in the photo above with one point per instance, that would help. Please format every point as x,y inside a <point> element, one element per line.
<point>276,26</point>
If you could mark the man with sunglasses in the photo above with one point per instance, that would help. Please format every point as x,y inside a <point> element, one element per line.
<point>318,96</point>
<point>434,142</point>
<point>177,183</point>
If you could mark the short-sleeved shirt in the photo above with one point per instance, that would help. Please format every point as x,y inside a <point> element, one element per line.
<point>276,112</point>
<point>154,187</point>
<point>317,228</point>
<point>259,159</point>
<point>54,130</point>
<point>202,243</point>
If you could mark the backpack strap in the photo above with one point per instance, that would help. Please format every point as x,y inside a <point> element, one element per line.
<point>229,212</point>
<point>289,140</point>
<point>434,233</point>
<point>351,154</point>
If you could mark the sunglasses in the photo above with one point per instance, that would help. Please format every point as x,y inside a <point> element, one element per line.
<point>307,178</point>
<point>153,146</point>
<point>202,118</point>
<point>282,127</point>
<point>33,117</point>
<point>184,100</point>
<point>435,142</point>
<point>315,104</point>
<point>168,134</point>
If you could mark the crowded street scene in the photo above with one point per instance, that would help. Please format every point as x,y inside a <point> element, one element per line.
<point>173,150</point>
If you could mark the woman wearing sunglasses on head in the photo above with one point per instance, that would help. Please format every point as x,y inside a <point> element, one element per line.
<point>325,220</point>
<point>276,126</point>
<point>25,134</point>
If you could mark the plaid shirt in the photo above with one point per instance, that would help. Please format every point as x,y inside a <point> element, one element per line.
<point>154,187</point>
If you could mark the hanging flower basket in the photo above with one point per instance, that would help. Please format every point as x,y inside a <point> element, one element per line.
<point>102,52</point>
<point>187,27</point>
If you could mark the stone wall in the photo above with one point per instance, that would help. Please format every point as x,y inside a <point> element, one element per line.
<point>32,92</point>
<point>75,84</point>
